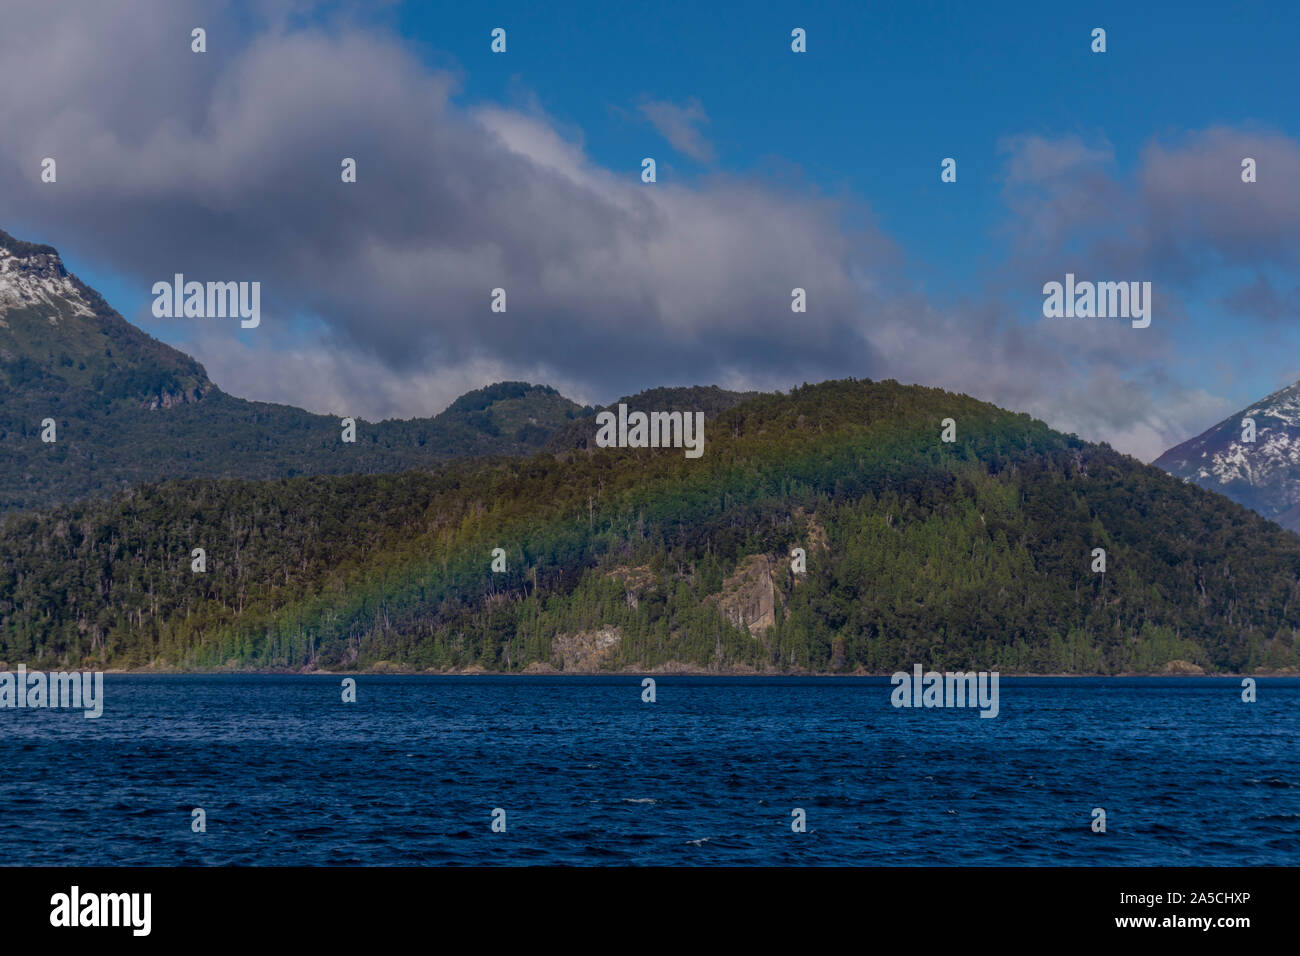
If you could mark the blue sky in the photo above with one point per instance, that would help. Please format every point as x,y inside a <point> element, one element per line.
<point>885,90</point>
<point>828,157</point>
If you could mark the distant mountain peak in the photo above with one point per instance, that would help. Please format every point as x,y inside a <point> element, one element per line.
<point>1263,474</point>
<point>130,408</point>
<point>33,276</point>
<point>58,338</point>
<point>22,248</point>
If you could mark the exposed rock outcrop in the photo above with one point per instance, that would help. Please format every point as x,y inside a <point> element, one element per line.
<point>585,650</point>
<point>748,597</point>
<point>636,582</point>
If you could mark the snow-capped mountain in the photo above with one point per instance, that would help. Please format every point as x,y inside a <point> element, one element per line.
<point>1264,473</point>
<point>37,280</point>
<point>58,337</point>
<point>128,408</point>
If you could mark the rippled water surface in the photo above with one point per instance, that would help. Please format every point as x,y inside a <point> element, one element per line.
<point>708,774</point>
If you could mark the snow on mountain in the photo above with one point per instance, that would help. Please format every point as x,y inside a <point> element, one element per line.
<point>39,280</point>
<point>1264,473</point>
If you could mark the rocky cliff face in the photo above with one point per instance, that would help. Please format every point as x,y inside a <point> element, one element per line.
<point>38,279</point>
<point>749,595</point>
<point>585,651</point>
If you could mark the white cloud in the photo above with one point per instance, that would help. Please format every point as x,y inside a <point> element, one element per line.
<point>227,167</point>
<point>680,126</point>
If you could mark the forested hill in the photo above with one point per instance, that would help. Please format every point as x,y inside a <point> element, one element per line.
<point>129,408</point>
<point>972,554</point>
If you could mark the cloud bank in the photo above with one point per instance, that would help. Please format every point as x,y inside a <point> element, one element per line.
<point>376,295</point>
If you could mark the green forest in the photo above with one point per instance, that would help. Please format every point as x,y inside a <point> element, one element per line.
<point>975,553</point>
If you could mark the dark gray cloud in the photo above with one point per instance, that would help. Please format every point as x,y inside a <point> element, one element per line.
<point>226,165</point>
<point>1260,297</point>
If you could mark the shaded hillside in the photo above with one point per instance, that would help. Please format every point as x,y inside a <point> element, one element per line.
<point>972,554</point>
<point>129,408</point>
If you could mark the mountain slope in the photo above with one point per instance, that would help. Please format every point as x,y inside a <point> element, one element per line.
<point>1263,475</point>
<point>972,554</point>
<point>129,408</point>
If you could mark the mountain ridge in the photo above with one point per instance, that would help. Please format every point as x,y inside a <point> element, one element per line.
<point>319,555</point>
<point>66,355</point>
<point>975,554</point>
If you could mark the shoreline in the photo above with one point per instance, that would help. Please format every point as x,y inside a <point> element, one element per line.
<point>395,671</point>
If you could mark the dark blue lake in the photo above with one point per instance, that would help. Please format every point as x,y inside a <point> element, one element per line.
<point>708,774</point>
